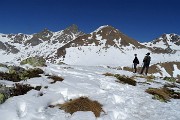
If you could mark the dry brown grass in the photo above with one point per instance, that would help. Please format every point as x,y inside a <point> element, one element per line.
<point>56,78</point>
<point>128,69</point>
<point>108,74</point>
<point>126,80</point>
<point>82,104</point>
<point>163,94</point>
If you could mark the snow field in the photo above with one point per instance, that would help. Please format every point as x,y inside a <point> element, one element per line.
<point>120,101</point>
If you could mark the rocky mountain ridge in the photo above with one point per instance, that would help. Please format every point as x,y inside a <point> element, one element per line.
<point>104,46</point>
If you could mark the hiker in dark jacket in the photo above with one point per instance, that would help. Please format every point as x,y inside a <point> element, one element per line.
<point>135,62</point>
<point>146,62</point>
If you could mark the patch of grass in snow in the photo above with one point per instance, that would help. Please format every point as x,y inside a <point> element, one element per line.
<point>56,78</point>
<point>170,79</point>
<point>20,89</point>
<point>163,94</point>
<point>149,78</point>
<point>82,104</point>
<point>160,94</point>
<point>122,79</point>
<point>126,80</point>
<point>108,74</point>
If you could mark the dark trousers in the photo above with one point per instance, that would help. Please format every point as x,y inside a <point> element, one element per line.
<point>145,66</point>
<point>135,67</point>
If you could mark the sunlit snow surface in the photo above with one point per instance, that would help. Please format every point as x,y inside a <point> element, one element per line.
<point>120,101</point>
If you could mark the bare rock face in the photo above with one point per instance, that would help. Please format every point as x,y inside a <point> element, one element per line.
<point>2,46</point>
<point>169,41</point>
<point>67,35</point>
<point>38,38</point>
<point>8,48</point>
<point>18,38</point>
<point>5,93</point>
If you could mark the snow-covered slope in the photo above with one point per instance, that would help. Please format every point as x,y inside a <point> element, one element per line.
<point>119,101</point>
<point>108,46</point>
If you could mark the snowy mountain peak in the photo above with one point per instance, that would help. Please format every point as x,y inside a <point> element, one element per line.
<point>45,31</point>
<point>98,44</point>
<point>170,41</point>
<point>73,28</point>
<point>100,28</point>
<point>174,38</point>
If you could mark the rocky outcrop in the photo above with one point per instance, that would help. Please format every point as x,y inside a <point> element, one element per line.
<point>34,61</point>
<point>5,93</point>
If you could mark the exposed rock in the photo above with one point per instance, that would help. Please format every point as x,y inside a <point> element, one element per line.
<point>18,38</point>
<point>17,74</point>
<point>2,98</point>
<point>3,65</point>
<point>68,34</point>
<point>33,41</point>
<point>2,46</point>
<point>5,93</point>
<point>34,61</point>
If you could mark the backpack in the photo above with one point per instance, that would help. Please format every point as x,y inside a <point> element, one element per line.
<point>147,59</point>
<point>136,60</point>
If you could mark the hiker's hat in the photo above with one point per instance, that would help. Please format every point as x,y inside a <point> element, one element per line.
<point>148,53</point>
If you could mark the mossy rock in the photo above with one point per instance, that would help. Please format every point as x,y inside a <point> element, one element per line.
<point>19,74</point>
<point>5,93</point>
<point>126,80</point>
<point>34,61</point>
<point>170,79</point>
<point>2,98</point>
<point>16,70</point>
<point>3,65</point>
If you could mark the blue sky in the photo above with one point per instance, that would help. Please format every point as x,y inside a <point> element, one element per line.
<point>143,20</point>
